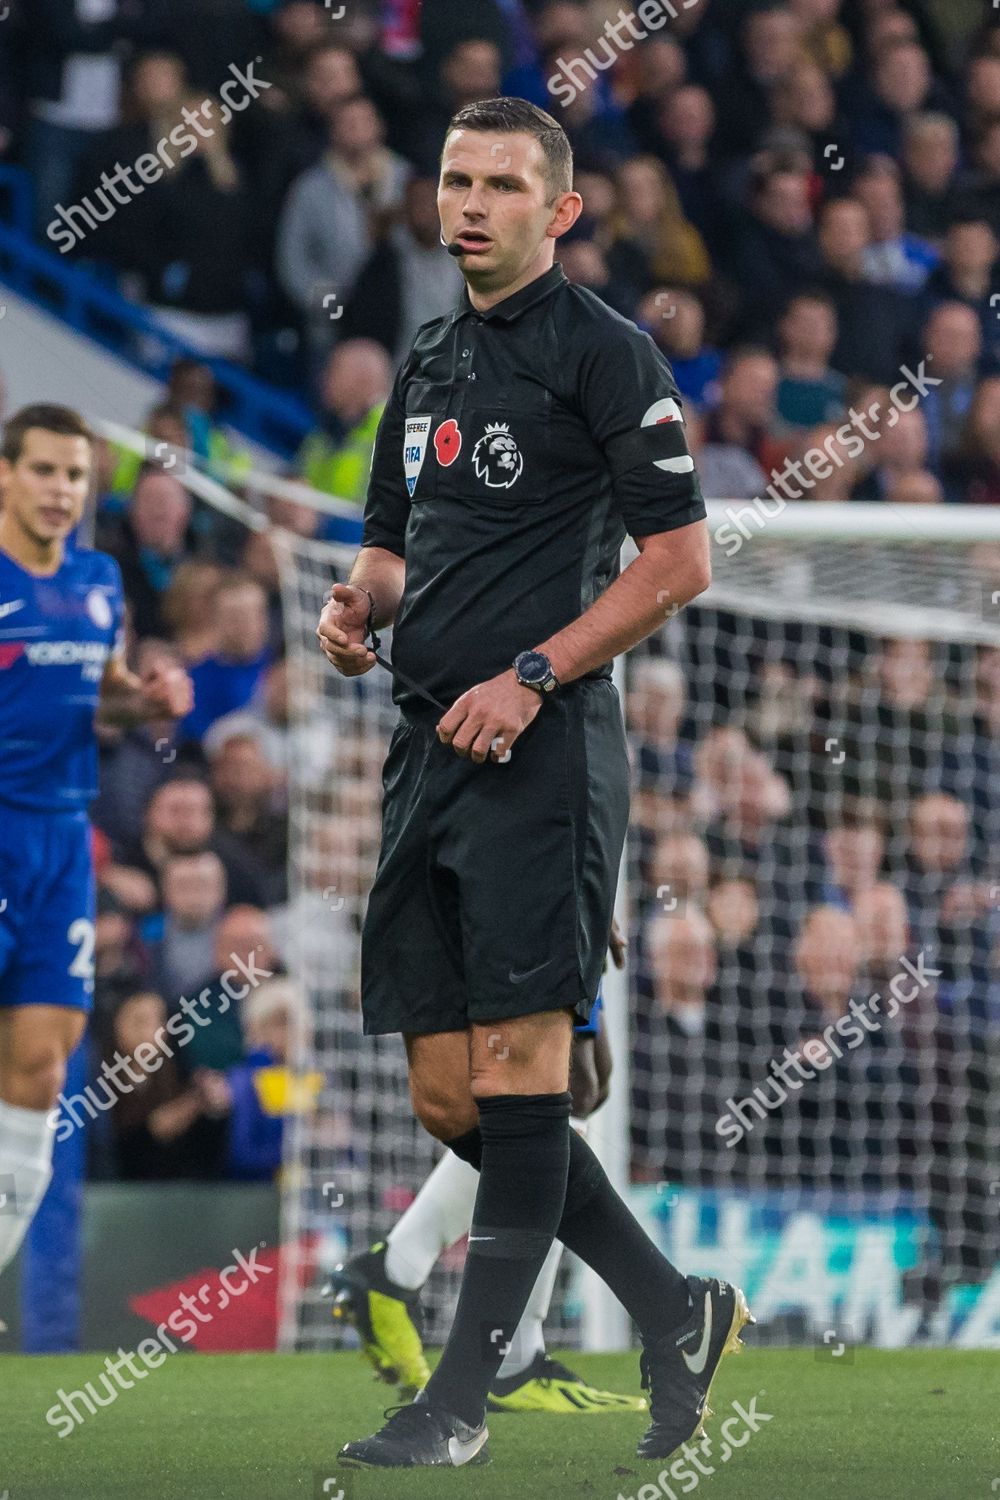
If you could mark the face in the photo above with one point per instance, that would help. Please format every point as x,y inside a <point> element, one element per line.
<point>472,71</point>
<point>784,203</point>
<point>358,376</point>
<point>194,385</point>
<point>493,200</point>
<point>971,248</point>
<point>903,78</point>
<point>242,622</point>
<point>682,952</point>
<point>158,83</point>
<point>732,910</point>
<point>240,773</point>
<point>46,489</point>
<point>242,931</point>
<point>843,232</point>
<point>641,188</point>
<point>138,1019</point>
<point>750,385</point>
<point>421,210</point>
<point>856,856</point>
<point>270,1033</point>
<point>181,814</point>
<point>689,117</point>
<point>356,128</point>
<point>160,510</point>
<point>939,832</point>
<point>881,196</point>
<point>809,328</point>
<point>931,155</point>
<point>680,863</point>
<point>331,77</point>
<point>906,672</point>
<point>954,340</point>
<point>194,889</point>
<point>882,926</point>
<point>827,955</point>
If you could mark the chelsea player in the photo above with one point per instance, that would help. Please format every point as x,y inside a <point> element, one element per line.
<point>62,667</point>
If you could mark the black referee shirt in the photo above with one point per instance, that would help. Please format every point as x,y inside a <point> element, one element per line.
<point>516,450</point>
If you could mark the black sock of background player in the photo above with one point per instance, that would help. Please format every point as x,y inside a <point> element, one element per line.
<point>598,1227</point>
<point>522,1186</point>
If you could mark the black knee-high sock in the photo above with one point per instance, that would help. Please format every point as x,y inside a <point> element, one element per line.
<point>598,1227</point>
<point>523,1168</point>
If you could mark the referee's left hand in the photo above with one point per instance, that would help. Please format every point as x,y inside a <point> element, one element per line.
<point>485,721</point>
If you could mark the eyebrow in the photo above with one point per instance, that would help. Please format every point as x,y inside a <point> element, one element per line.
<point>514,177</point>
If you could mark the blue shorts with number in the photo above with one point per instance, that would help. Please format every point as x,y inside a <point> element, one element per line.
<point>47,908</point>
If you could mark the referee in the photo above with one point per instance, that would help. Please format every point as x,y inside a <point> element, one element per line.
<point>527,432</point>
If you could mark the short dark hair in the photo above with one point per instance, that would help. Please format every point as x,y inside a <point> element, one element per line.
<point>62,420</point>
<point>517,116</point>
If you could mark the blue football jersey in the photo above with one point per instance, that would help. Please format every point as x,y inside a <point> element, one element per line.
<point>56,636</point>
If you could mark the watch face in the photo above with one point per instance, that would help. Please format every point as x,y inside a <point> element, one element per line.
<point>532,666</point>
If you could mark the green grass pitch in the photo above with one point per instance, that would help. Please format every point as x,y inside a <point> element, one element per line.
<point>874,1425</point>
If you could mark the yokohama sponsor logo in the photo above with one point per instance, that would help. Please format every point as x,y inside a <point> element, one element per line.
<point>65,653</point>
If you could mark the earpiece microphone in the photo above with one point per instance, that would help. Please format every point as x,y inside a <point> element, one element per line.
<point>454,248</point>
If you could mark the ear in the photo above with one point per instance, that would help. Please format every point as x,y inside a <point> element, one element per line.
<point>568,208</point>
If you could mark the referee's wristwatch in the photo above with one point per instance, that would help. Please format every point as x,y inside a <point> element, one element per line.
<point>534,670</point>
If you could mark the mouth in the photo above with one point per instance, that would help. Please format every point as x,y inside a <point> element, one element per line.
<point>53,517</point>
<point>473,241</point>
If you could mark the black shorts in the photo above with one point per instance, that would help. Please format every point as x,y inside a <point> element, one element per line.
<point>495,885</point>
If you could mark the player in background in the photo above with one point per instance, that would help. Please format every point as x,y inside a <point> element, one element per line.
<point>378,1291</point>
<point>62,667</point>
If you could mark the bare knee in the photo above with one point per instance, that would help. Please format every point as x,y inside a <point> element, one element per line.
<point>444,1114</point>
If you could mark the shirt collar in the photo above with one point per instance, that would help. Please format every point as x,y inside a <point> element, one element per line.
<point>518,302</point>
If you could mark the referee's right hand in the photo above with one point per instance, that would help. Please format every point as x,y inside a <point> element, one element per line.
<point>342,629</point>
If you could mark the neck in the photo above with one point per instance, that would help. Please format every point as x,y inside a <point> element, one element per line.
<point>36,555</point>
<point>483,300</point>
<point>804,367</point>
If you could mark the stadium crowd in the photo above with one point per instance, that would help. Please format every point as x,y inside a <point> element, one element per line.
<point>798,199</point>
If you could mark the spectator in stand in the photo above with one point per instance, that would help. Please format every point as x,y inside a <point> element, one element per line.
<point>651,241</point>
<point>893,257</point>
<point>930,163</point>
<point>982,94</point>
<point>228,677</point>
<point>149,543</point>
<point>953,339</point>
<point>675,320</point>
<point>657,703</point>
<point>194,897</point>
<point>950,909</point>
<point>978,191</point>
<point>408,279</point>
<point>745,416</point>
<point>192,388</point>
<point>804,101</point>
<point>166,426</point>
<point>336,457</point>
<point>134,762</point>
<point>854,848</point>
<point>469,70</point>
<point>871,320</point>
<point>971,473</point>
<point>686,126</point>
<point>901,452</point>
<point>199,261</point>
<point>775,254</point>
<point>677,1093</point>
<point>678,873</point>
<point>154,94</point>
<point>824,38</point>
<point>883,933</point>
<point>258,1096</point>
<point>328,77</point>
<point>325,233</point>
<point>660,66</point>
<point>190,610</point>
<point>968,273</point>
<point>249,796</point>
<point>244,958</point>
<point>585,264</point>
<point>809,391</point>
<point>159,1126</point>
<point>902,84</point>
<point>771,45</point>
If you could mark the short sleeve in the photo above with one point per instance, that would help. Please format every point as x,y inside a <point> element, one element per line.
<point>387,506</point>
<point>632,407</point>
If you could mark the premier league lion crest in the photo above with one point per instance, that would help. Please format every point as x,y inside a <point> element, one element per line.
<point>496,457</point>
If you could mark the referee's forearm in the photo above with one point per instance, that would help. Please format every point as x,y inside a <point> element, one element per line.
<point>383,574</point>
<point>666,575</point>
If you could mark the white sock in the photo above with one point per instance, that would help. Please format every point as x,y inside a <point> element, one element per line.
<point>26,1142</point>
<point>438,1216</point>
